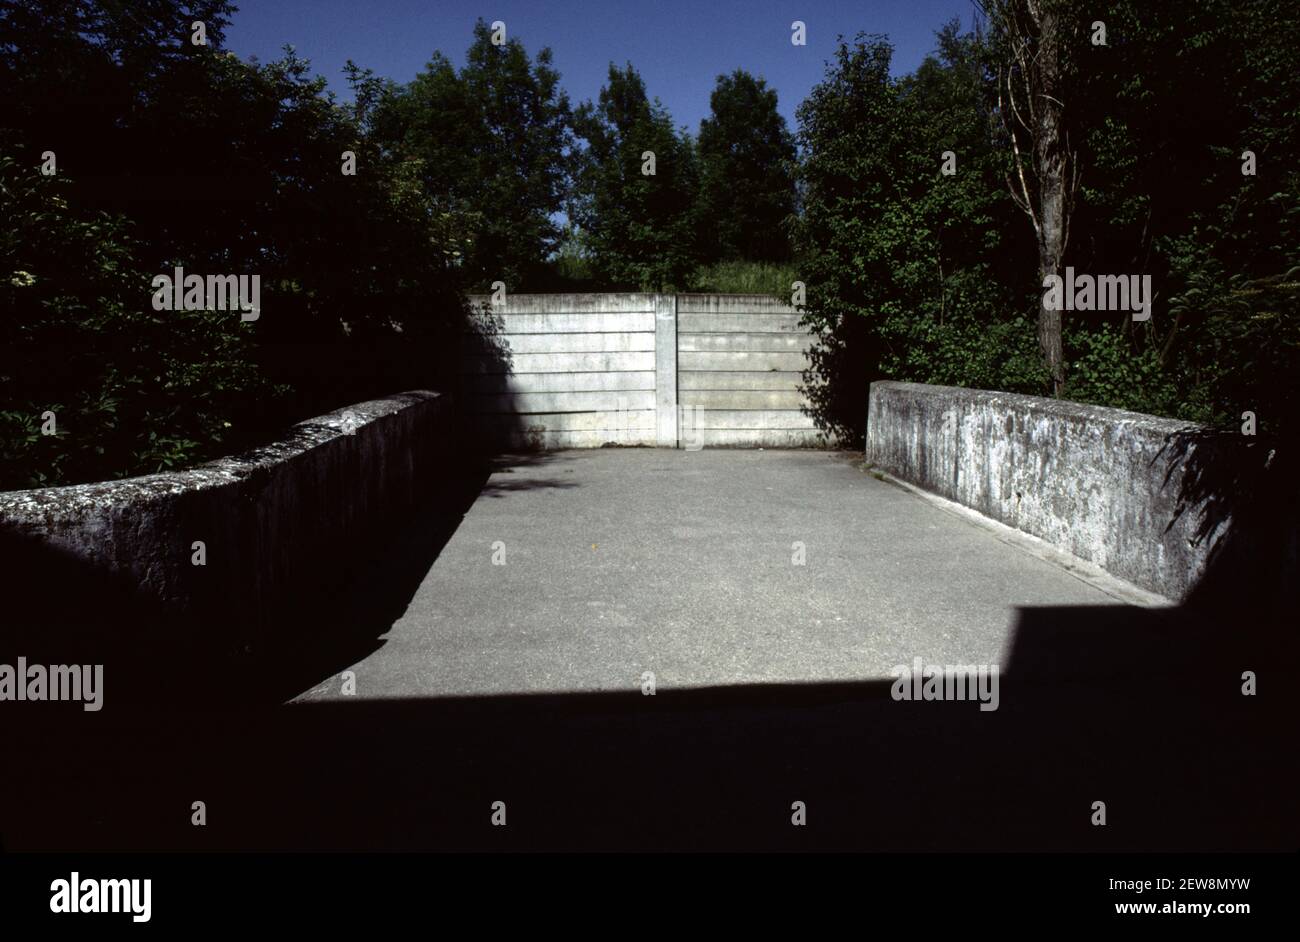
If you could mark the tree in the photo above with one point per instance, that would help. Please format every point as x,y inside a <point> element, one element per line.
<point>494,141</point>
<point>172,154</point>
<point>126,388</point>
<point>637,182</point>
<point>1159,118</point>
<point>910,272</point>
<point>747,186</point>
<point>1035,40</point>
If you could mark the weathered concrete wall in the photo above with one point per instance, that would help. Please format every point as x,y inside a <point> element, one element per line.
<point>563,370</point>
<point>273,521</point>
<point>1103,484</point>
<point>690,370</point>
<point>741,365</point>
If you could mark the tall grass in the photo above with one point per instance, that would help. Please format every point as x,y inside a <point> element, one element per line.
<point>573,272</point>
<point>745,278</point>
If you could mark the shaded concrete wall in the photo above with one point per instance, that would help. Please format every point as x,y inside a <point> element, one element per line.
<point>689,370</point>
<point>1106,485</point>
<point>274,521</point>
<point>563,370</point>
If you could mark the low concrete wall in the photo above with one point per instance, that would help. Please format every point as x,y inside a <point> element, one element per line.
<point>273,521</point>
<point>1103,484</point>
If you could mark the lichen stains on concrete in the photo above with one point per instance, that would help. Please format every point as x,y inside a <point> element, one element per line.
<point>1094,481</point>
<point>75,501</point>
<point>259,513</point>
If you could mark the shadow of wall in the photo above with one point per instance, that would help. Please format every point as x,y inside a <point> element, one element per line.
<point>105,574</point>
<point>1246,493</point>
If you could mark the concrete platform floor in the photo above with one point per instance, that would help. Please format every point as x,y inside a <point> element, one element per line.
<point>706,568</point>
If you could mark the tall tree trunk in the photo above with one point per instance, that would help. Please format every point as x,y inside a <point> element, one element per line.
<point>1045,173</point>
<point>1050,154</point>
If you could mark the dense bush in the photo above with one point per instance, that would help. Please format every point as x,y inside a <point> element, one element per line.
<point>83,355</point>
<point>921,276</point>
<point>911,273</point>
<point>169,154</point>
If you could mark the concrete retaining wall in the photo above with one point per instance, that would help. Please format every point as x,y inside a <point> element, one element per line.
<point>273,521</point>
<point>586,370</point>
<point>741,361</point>
<point>563,370</point>
<point>1103,484</point>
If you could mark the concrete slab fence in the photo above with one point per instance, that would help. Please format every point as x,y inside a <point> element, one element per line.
<point>687,371</point>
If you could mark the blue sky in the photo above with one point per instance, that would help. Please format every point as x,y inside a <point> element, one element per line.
<point>678,46</point>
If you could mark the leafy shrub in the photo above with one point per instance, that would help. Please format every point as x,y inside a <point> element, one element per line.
<point>132,390</point>
<point>1105,369</point>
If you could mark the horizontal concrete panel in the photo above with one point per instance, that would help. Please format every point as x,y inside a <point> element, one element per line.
<point>732,304</point>
<point>752,322</point>
<point>758,438</point>
<point>562,401</point>
<point>578,343</point>
<point>550,440</point>
<point>741,361</point>
<point>739,379</point>
<point>751,343</point>
<point>744,419</point>
<point>565,363</point>
<point>742,399</point>
<point>574,323</point>
<point>608,303</point>
<point>560,382</point>
<point>642,419</point>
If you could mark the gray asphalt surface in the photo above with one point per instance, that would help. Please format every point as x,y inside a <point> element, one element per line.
<point>621,561</point>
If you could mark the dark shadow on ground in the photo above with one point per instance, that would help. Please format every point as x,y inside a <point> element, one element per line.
<point>502,466</point>
<point>62,610</point>
<point>1127,706</point>
<point>327,631</point>
<point>1142,709</point>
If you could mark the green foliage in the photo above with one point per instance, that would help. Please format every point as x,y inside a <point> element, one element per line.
<point>917,276</point>
<point>570,263</point>
<point>746,278</point>
<point>131,389</point>
<point>746,187</point>
<point>493,142</point>
<point>1242,345</point>
<point>1108,369</point>
<point>907,269</point>
<point>170,154</point>
<point>967,351</point>
<point>221,167</point>
<point>640,230</point>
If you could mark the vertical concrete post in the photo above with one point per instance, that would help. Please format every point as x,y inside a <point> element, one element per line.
<point>666,370</point>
